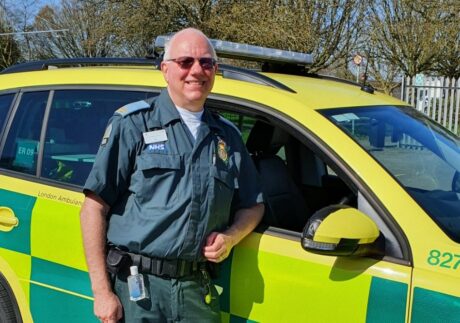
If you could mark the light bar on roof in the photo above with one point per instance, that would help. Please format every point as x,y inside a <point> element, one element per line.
<point>250,52</point>
<point>236,50</point>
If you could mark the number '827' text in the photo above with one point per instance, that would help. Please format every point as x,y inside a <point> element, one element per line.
<point>443,259</point>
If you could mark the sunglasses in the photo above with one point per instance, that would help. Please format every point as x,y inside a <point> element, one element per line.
<point>186,62</point>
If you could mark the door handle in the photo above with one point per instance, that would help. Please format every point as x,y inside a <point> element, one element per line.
<point>8,220</point>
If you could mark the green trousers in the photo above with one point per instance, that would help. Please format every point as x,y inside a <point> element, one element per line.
<point>170,300</point>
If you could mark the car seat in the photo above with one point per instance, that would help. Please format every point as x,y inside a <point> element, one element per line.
<point>285,205</point>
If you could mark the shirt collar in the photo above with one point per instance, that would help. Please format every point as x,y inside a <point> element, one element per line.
<point>190,115</point>
<point>164,111</point>
<point>211,119</point>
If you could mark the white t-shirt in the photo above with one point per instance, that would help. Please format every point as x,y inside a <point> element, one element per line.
<point>191,119</point>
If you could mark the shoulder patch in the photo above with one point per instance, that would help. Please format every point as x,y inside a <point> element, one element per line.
<point>132,107</point>
<point>229,123</point>
<point>106,136</point>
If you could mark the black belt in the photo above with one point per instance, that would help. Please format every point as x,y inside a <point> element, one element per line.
<point>169,268</point>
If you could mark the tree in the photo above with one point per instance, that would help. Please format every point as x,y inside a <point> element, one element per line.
<point>84,34</point>
<point>326,29</point>
<point>448,43</point>
<point>19,14</point>
<point>136,23</point>
<point>9,49</point>
<point>396,36</point>
<point>384,74</point>
<point>410,37</point>
<point>196,13</point>
<point>403,34</point>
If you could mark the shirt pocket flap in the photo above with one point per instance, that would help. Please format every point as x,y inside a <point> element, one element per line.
<point>152,161</point>
<point>223,176</point>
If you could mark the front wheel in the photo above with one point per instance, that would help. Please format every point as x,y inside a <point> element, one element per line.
<point>8,308</point>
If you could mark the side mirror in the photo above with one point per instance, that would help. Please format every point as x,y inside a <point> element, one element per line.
<point>340,230</point>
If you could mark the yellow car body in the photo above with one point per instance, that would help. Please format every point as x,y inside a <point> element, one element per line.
<point>269,277</point>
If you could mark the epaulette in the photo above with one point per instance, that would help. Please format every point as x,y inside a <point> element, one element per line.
<point>133,107</point>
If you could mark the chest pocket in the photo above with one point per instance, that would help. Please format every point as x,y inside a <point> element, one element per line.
<point>224,186</point>
<point>224,176</point>
<point>156,181</point>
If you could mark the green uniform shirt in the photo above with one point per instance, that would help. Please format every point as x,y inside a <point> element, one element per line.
<point>166,191</point>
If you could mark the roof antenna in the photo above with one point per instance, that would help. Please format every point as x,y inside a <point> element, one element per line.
<point>365,86</point>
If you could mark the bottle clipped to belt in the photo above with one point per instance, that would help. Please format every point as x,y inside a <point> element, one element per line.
<point>136,285</point>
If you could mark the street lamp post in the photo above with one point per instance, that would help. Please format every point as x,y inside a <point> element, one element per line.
<point>358,59</point>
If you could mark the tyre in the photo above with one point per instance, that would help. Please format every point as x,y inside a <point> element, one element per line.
<point>8,309</point>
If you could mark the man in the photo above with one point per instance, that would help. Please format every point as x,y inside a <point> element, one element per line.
<point>160,193</point>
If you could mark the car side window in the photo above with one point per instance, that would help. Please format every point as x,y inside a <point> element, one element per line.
<point>5,103</point>
<point>21,147</point>
<point>297,178</point>
<point>76,124</point>
<point>295,182</point>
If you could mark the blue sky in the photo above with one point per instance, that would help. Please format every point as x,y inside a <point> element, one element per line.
<point>31,6</point>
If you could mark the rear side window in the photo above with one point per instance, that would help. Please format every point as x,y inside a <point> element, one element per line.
<point>21,148</point>
<point>76,124</point>
<point>5,103</point>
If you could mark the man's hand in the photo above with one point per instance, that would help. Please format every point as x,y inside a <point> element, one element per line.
<point>218,247</point>
<point>219,244</point>
<point>107,307</point>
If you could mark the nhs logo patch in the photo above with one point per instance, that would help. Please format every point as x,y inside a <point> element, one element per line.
<point>157,148</point>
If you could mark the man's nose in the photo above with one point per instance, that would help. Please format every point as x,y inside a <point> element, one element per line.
<point>196,68</point>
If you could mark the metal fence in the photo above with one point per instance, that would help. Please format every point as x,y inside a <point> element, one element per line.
<point>437,97</point>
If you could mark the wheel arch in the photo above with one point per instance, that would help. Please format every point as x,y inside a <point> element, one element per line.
<point>16,293</point>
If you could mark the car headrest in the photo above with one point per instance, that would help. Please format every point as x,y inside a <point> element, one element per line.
<point>265,139</point>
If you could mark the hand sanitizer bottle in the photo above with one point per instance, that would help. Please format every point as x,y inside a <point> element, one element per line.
<point>136,285</point>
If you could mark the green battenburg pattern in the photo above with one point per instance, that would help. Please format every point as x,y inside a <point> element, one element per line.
<point>51,306</point>
<point>17,239</point>
<point>59,276</point>
<point>387,301</point>
<point>68,307</point>
<point>223,280</point>
<point>432,307</point>
<point>237,319</point>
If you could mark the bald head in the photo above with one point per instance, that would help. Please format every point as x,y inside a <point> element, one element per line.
<point>186,34</point>
<point>189,69</point>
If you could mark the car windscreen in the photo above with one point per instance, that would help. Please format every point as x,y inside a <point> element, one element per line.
<point>420,154</point>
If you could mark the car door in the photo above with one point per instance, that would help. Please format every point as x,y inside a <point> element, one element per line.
<point>270,278</point>
<point>20,155</point>
<point>424,159</point>
<point>47,152</point>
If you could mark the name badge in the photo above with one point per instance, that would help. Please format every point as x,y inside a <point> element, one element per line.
<point>155,136</point>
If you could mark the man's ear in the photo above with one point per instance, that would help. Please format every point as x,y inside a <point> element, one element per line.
<point>164,69</point>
